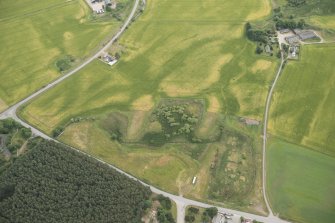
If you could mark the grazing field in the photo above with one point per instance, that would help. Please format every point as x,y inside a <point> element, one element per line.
<point>300,183</point>
<point>41,38</point>
<point>198,58</point>
<point>304,100</point>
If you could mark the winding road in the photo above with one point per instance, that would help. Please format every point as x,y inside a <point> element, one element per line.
<point>181,202</point>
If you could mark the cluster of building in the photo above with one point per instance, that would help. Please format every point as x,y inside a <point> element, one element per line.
<point>298,35</point>
<point>110,60</point>
<point>294,38</point>
<point>99,6</point>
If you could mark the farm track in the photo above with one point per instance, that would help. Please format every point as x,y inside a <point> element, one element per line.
<point>181,202</point>
<point>265,125</point>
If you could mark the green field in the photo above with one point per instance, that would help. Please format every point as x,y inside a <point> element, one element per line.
<point>304,101</point>
<point>37,34</point>
<point>198,54</point>
<point>301,183</point>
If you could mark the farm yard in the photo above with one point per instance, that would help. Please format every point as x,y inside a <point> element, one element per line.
<point>43,39</point>
<point>301,183</point>
<point>200,60</point>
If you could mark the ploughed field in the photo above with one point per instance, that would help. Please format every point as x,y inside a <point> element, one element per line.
<point>170,109</point>
<point>40,39</point>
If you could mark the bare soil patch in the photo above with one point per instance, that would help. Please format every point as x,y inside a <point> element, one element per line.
<point>144,103</point>
<point>214,104</point>
<point>261,65</point>
<point>136,123</point>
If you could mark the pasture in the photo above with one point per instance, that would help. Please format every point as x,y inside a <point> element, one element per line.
<point>300,183</point>
<point>38,34</point>
<point>304,100</point>
<point>169,52</point>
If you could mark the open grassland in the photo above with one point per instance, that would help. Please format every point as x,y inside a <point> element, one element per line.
<point>304,100</point>
<point>37,34</point>
<point>176,49</point>
<point>300,183</point>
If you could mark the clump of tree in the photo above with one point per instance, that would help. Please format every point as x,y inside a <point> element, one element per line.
<point>164,214</point>
<point>175,120</point>
<point>9,125</point>
<point>120,12</point>
<point>290,24</point>
<point>57,131</point>
<point>255,35</point>
<point>65,63</point>
<point>13,137</point>
<point>52,183</point>
<point>296,3</point>
<point>209,214</point>
<point>191,214</point>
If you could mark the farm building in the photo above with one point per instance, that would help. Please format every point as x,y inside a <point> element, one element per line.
<point>283,31</point>
<point>305,35</point>
<point>291,40</point>
<point>297,31</point>
<point>293,52</point>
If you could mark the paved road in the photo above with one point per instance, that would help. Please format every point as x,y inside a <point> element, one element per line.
<point>266,116</point>
<point>181,202</point>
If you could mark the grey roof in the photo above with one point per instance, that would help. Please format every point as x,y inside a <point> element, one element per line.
<point>292,39</point>
<point>307,35</point>
<point>297,31</point>
<point>284,31</point>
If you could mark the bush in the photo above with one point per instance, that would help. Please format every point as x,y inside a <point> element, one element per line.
<point>57,131</point>
<point>211,212</point>
<point>26,133</point>
<point>189,218</point>
<point>193,210</point>
<point>165,202</point>
<point>65,63</point>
